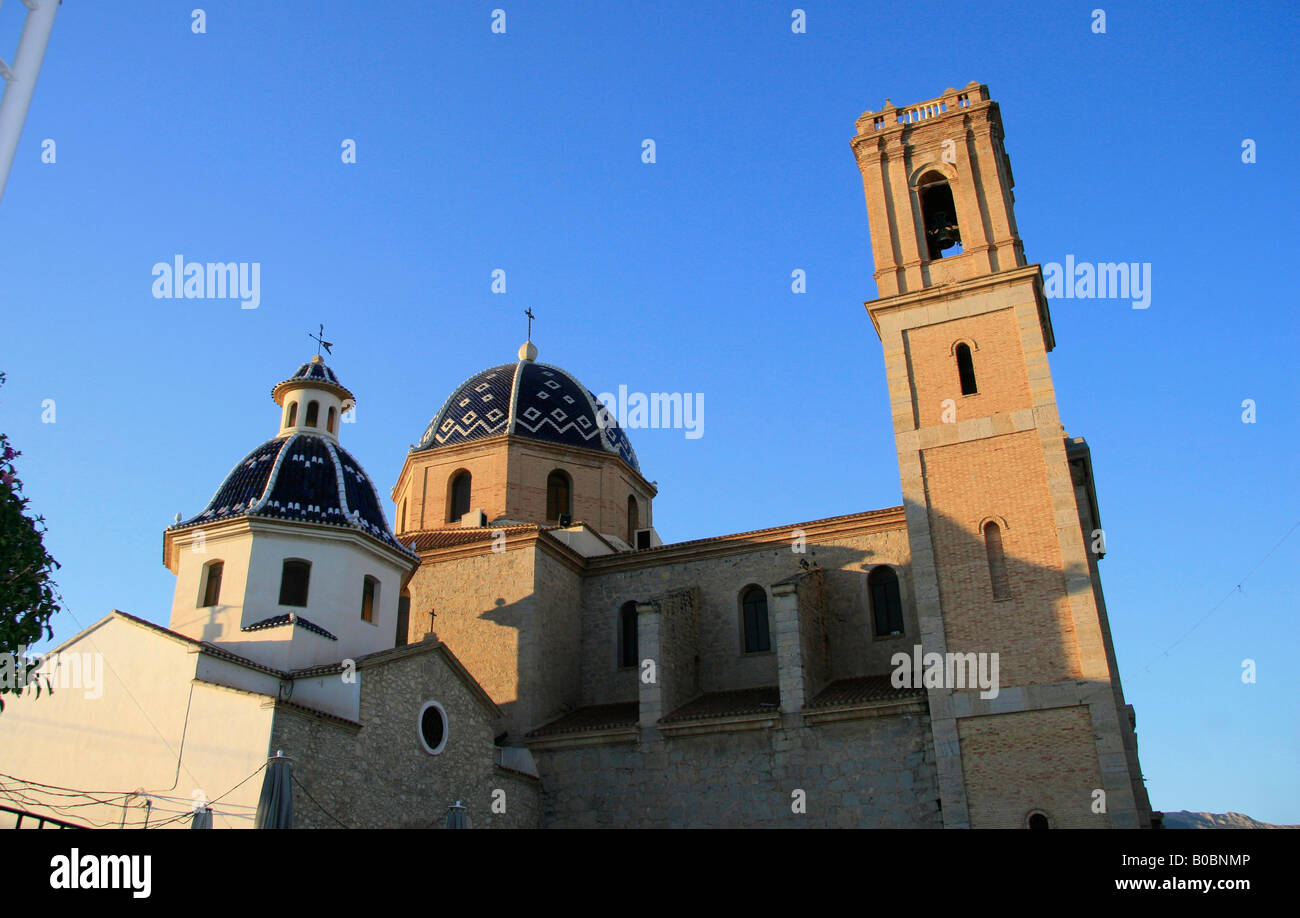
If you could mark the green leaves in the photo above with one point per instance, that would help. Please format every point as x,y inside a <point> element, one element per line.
<point>28,594</point>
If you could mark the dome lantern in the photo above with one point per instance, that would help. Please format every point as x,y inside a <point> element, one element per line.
<point>312,401</point>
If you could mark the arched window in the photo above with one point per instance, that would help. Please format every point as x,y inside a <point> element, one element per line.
<point>997,561</point>
<point>753,610</point>
<point>329,425</point>
<point>938,214</point>
<point>1038,820</point>
<point>633,520</point>
<point>295,577</point>
<point>458,499</point>
<point>212,583</point>
<point>559,495</point>
<point>401,517</point>
<point>293,415</point>
<point>369,599</point>
<point>403,619</point>
<point>966,369</point>
<point>627,640</point>
<point>313,413</point>
<point>886,605</point>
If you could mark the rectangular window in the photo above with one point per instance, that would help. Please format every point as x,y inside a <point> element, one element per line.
<point>212,588</point>
<point>368,591</point>
<point>294,580</point>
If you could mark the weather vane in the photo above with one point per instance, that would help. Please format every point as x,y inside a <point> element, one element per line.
<point>320,341</point>
<point>529,312</point>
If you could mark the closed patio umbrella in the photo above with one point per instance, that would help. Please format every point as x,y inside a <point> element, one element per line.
<point>456,818</point>
<point>275,806</point>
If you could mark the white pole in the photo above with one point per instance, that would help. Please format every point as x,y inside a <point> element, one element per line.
<point>21,80</point>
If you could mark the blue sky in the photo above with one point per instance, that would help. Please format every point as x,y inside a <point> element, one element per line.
<point>522,151</point>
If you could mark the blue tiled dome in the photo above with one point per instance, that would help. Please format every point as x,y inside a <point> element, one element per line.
<point>313,372</point>
<point>530,400</point>
<point>302,477</point>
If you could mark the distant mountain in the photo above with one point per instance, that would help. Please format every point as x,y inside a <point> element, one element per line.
<point>1184,819</point>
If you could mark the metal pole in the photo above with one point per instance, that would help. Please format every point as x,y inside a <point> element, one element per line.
<point>21,80</point>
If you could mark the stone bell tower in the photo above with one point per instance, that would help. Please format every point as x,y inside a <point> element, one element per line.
<point>1001,511</point>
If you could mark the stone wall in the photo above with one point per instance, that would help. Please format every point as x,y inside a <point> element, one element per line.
<point>853,650</point>
<point>679,665</point>
<point>813,637</point>
<point>868,773</point>
<point>379,775</point>
<point>550,664</point>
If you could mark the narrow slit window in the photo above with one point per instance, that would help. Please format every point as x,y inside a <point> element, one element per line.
<point>329,425</point>
<point>633,520</point>
<point>403,619</point>
<point>627,636</point>
<point>212,585</point>
<point>313,413</point>
<point>997,561</point>
<point>966,369</point>
<point>369,592</point>
<point>293,415</point>
<point>886,603</point>
<point>753,604</point>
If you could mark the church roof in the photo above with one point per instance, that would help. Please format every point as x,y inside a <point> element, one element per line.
<point>305,478</point>
<point>527,399</point>
<point>313,372</point>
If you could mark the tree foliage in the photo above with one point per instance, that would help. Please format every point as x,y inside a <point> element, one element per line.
<point>28,595</point>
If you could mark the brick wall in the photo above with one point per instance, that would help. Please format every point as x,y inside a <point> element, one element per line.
<point>1033,630</point>
<point>1045,760</point>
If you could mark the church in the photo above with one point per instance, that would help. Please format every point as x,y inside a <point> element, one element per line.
<point>520,643</point>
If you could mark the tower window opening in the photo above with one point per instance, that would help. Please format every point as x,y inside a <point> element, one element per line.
<point>753,606</point>
<point>966,369</point>
<point>886,604</point>
<point>313,413</point>
<point>633,520</point>
<point>212,585</point>
<point>293,415</point>
<point>997,561</point>
<point>329,425</point>
<point>627,636</point>
<point>939,215</point>
<point>294,580</point>
<point>559,495</point>
<point>403,619</point>
<point>458,504</point>
<point>369,591</point>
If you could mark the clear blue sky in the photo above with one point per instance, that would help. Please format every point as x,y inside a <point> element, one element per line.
<point>523,151</point>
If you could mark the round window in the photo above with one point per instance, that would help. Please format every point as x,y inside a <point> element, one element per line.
<point>433,727</point>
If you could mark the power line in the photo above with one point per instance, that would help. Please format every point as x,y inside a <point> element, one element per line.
<point>317,802</point>
<point>1227,596</point>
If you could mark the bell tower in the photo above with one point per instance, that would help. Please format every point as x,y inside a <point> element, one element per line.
<point>1002,529</point>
